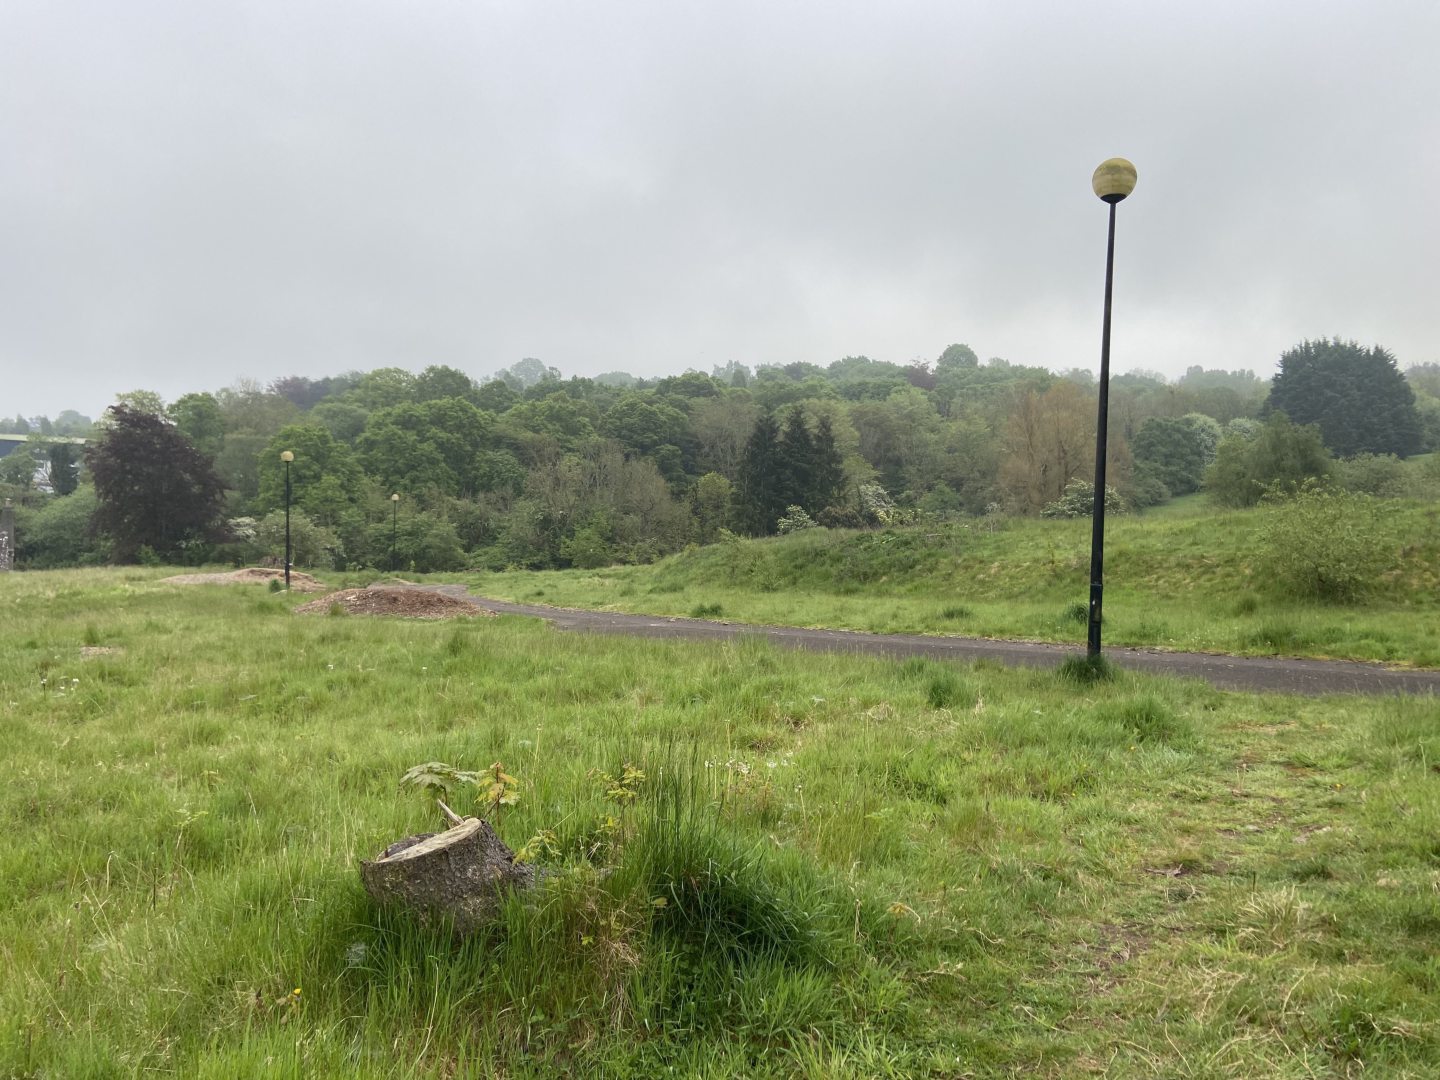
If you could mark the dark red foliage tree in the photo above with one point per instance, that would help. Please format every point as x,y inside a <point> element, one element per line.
<point>155,489</point>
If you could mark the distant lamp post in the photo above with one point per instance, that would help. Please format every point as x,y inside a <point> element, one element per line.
<point>287,457</point>
<point>394,526</point>
<point>1113,180</point>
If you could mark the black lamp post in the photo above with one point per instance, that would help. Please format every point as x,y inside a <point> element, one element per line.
<point>1113,180</point>
<point>287,457</point>
<point>394,525</point>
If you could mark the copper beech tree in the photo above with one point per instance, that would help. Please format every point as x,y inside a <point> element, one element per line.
<point>155,490</point>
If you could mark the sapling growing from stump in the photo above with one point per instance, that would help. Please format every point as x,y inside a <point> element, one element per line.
<point>494,786</point>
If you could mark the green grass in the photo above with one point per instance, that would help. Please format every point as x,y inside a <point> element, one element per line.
<point>835,867</point>
<point>1187,579</point>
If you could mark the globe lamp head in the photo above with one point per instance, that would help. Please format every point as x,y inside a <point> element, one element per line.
<point>1114,179</point>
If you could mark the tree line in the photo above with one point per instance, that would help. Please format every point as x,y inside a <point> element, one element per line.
<point>532,469</point>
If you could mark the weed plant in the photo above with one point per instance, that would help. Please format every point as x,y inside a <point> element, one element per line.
<point>758,863</point>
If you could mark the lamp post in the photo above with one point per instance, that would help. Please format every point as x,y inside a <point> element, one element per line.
<point>287,457</point>
<point>1113,180</point>
<point>394,525</point>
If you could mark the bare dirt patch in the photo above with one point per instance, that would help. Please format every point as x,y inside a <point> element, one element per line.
<point>88,651</point>
<point>250,575</point>
<point>406,603</point>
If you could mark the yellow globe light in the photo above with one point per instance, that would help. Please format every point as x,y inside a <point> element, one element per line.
<point>287,455</point>
<point>1114,179</point>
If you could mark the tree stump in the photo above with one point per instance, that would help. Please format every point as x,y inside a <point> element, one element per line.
<point>461,874</point>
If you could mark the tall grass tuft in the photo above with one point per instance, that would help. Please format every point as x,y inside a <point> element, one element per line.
<point>945,689</point>
<point>1088,669</point>
<point>1148,719</point>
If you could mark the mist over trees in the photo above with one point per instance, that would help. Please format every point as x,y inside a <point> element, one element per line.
<point>530,468</point>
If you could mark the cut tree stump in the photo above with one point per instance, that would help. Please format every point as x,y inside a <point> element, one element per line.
<point>461,874</point>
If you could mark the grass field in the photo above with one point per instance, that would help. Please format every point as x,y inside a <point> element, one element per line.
<point>1189,578</point>
<point>834,867</point>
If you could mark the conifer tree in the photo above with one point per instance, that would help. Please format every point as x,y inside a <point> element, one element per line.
<point>759,501</point>
<point>1357,397</point>
<point>827,475</point>
<point>795,459</point>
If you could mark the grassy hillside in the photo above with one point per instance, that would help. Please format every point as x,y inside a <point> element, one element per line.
<point>1187,578</point>
<point>833,867</point>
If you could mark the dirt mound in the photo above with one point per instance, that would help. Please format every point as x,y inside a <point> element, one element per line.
<point>394,600</point>
<point>250,575</point>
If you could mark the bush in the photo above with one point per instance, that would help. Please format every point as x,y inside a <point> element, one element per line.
<point>311,545</point>
<point>795,520</point>
<point>1383,475</point>
<point>1146,489</point>
<point>1079,501</point>
<point>1278,454</point>
<point>1324,544</point>
<point>587,548</point>
<point>57,534</point>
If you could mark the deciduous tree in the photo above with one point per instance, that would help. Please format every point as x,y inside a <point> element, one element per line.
<point>199,419</point>
<point>155,489</point>
<point>1171,450</point>
<point>325,479</point>
<point>1280,455</point>
<point>1049,440</point>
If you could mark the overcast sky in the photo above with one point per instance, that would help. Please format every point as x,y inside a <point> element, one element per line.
<point>195,191</point>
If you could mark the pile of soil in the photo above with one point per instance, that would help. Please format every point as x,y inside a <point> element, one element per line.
<point>407,603</point>
<point>250,575</point>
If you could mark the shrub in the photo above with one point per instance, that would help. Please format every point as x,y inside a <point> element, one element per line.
<point>1079,501</point>
<point>58,533</point>
<point>587,548</point>
<point>1146,489</point>
<point>795,519</point>
<point>1324,544</point>
<point>1383,475</point>
<point>311,545</point>
<point>426,543</point>
<point>1278,454</point>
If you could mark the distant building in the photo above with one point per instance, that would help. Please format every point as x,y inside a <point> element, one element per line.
<point>10,443</point>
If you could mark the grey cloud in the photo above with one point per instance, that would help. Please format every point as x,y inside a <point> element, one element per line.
<point>197,192</point>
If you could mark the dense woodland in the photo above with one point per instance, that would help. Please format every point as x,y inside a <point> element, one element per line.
<point>531,469</point>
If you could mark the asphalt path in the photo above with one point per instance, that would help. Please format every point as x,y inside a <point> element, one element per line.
<point>1258,674</point>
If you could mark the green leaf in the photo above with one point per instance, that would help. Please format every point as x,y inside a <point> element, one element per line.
<point>437,778</point>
